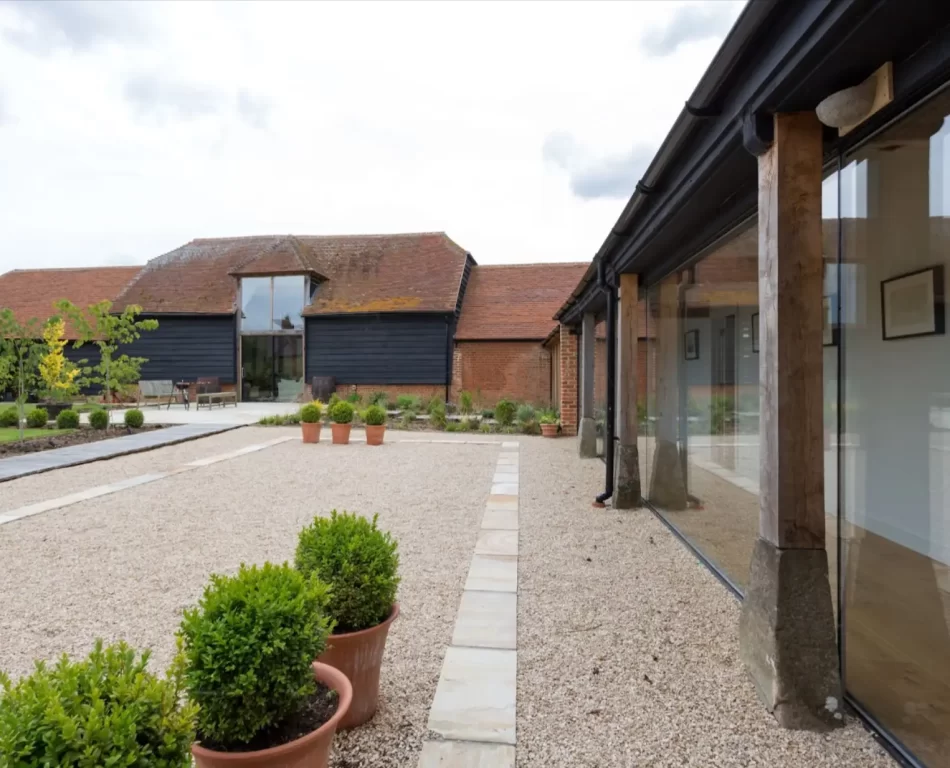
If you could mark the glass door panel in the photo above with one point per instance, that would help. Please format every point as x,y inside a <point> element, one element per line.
<point>272,368</point>
<point>288,367</point>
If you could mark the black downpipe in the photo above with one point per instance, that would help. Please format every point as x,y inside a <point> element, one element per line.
<point>611,291</point>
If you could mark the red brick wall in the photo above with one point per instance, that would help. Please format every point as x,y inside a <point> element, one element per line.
<point>568,404</point>
<point>392,390</point>
<point>490,370</point>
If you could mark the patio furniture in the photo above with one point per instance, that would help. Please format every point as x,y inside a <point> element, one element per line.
<point>209,393</point>
<point>159,391</point>
<point>183,387</point>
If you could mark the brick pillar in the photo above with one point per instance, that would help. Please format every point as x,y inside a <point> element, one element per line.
<point>568,404</point>
<point>456,373</point>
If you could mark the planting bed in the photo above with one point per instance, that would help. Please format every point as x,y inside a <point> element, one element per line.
<point>35,440</point>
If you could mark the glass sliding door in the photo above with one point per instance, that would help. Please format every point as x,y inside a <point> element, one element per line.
<point>272,367</point>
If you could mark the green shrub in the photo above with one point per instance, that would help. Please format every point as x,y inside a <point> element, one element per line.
<point>374,416</point>
<point>526,414</point>
<point>37,418</point>
<point>354,398</point>
<point>246,650</point>
<point>465,402</point>
<point>530,427</point>
<point>453,426</point>
<point>378,398</point>
<point>437,416</point>
<point>67,419</point>
<point>342,412</point>
<point>484,427</point>
<point>548,417</point>
<point>106,710</point>
<point>434,404</point>
<point>505,412</point>
<point>134,418</point>
<point>358,561</point>
<point>99,418</point>
<point>407,418</point>
<point>407,402</point>
<point>311,413</point>
<point>488,413</point>
<point>9,417</point>
<point>467,424</point>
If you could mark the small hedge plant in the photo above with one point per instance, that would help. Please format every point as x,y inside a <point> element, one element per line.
<point>134,418</point>
<point>37,418</point>
<point>99,418</point>
<point>9,417</point>
<point>407,402</point>
<point>505,412</point>
<point>67,419</point>
<point>374,416</point>
<point>465,402</point>
<point>437,416</point>
<point>247,648</point>
<point>312,413</point>
<point>548,417</point>
<point>358,561</point>
<point>526,414</point>
<point>342,412</point>
<point>106,710</point>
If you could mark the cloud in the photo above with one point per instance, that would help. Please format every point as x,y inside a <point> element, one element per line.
<point>590,177</point>
<point>688,24</point>
<point>252,109</point>
<point>153,95</point>
<point>4,115</point>
<point>78,25</point>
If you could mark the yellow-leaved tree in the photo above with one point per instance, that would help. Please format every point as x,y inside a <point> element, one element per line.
<point>57,373</point>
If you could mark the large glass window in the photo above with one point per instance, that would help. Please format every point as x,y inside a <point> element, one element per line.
<point>895,261</point>
<point>255,304</point>
<point>273,303</point>
<point>288,302</point>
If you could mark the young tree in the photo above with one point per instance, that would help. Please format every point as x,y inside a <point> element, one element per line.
<point>58,373</point>
<point>21,350</point>
<point>107,330</point>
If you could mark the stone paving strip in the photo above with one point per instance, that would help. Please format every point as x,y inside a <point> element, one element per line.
<point>472,723</point>
<point>131,482</point>
<point>58,458</point>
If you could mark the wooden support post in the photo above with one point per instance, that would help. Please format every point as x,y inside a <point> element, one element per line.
<point>787,634</point>
<point>587,444</point>
<point>627,459</point>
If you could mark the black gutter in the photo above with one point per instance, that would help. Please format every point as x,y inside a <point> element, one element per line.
<point>610,289</point>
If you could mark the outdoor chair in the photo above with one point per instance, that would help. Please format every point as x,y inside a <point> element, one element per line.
<point>157,392</point>
<point>209,392</point>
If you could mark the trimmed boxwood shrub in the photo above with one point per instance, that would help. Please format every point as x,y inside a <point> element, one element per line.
<point>9,417</point>
<point>374,416</point>
<point>505,412</point>
<point>247,648</point>
<point>99,418</point>
<point>341,412</point>
<point>311,413</point>
<point>358,561</point>
<point>106,710</point>
<point>37,418</point>
<point>134,418</point>
<point>67,419</point>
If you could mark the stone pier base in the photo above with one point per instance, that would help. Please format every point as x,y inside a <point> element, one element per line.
<point>626,477</point>
<point>668,486</point>
<point>587,439</point>
<point>787,637</point>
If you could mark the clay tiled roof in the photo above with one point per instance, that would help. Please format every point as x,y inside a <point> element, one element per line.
<point>360,273</point>
<point>515,301</point>
<point>32,292</point>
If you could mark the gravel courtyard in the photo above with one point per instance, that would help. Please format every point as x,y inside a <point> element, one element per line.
<point>627,646</point>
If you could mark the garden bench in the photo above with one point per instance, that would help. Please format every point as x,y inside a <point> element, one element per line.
<point>209,393</point>
<point>160,391</point>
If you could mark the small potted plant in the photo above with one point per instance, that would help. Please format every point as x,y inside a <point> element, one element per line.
<point>374,418</point>
<point>549,425</point>
<point>341,414</point>
<point>311,416</point>
<point>106,708</point>
<point>247,658</point>
<point>360,564</point>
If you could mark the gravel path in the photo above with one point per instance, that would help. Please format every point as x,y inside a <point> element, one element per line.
<point>628,651</point>
<point>124,565</point>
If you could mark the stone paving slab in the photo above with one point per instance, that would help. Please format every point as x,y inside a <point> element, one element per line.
<point>487,620</point>
<point>475,697</point>
<point>504,489</point>
<point>500,519</point>
<point>496,543</point>
<point>496,573</point>
<point>466,754</point>
<point>44,461</point>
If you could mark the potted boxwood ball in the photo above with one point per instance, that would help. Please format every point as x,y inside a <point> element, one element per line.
<point>548,422</point>
<point>374,418</point>
<point>247,658</point>
<point>360,564</point>
<point>106,709</point>
<point>310,416</point>
<point>341,414</point>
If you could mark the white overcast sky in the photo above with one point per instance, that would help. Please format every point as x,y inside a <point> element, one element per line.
<point>518,128</point>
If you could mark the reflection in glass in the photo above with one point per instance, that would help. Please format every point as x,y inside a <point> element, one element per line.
<point>600,383</point>
<point>896,438</point>
<point>273,367</point>
<point>255,304</point>
<point>288,303</point>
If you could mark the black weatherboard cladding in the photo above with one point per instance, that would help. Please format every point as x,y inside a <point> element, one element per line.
<point>379,349</point>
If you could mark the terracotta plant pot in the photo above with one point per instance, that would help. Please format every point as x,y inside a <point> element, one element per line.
<point>311,432</point>
<point>310,751</point>
<point>374,434</point>
<point>549,430</point>
<point>359,655</point>
<point>341,433</point>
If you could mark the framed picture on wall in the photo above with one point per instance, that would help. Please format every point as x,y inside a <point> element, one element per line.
<point>829,333</point>
<point>912,304</point>
<point>691,345</point>
<point>755,333</point>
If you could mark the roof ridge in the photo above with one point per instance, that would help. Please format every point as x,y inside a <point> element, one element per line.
<point>537,264</point>
<point>73,269</point>
<point>200,240</point>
